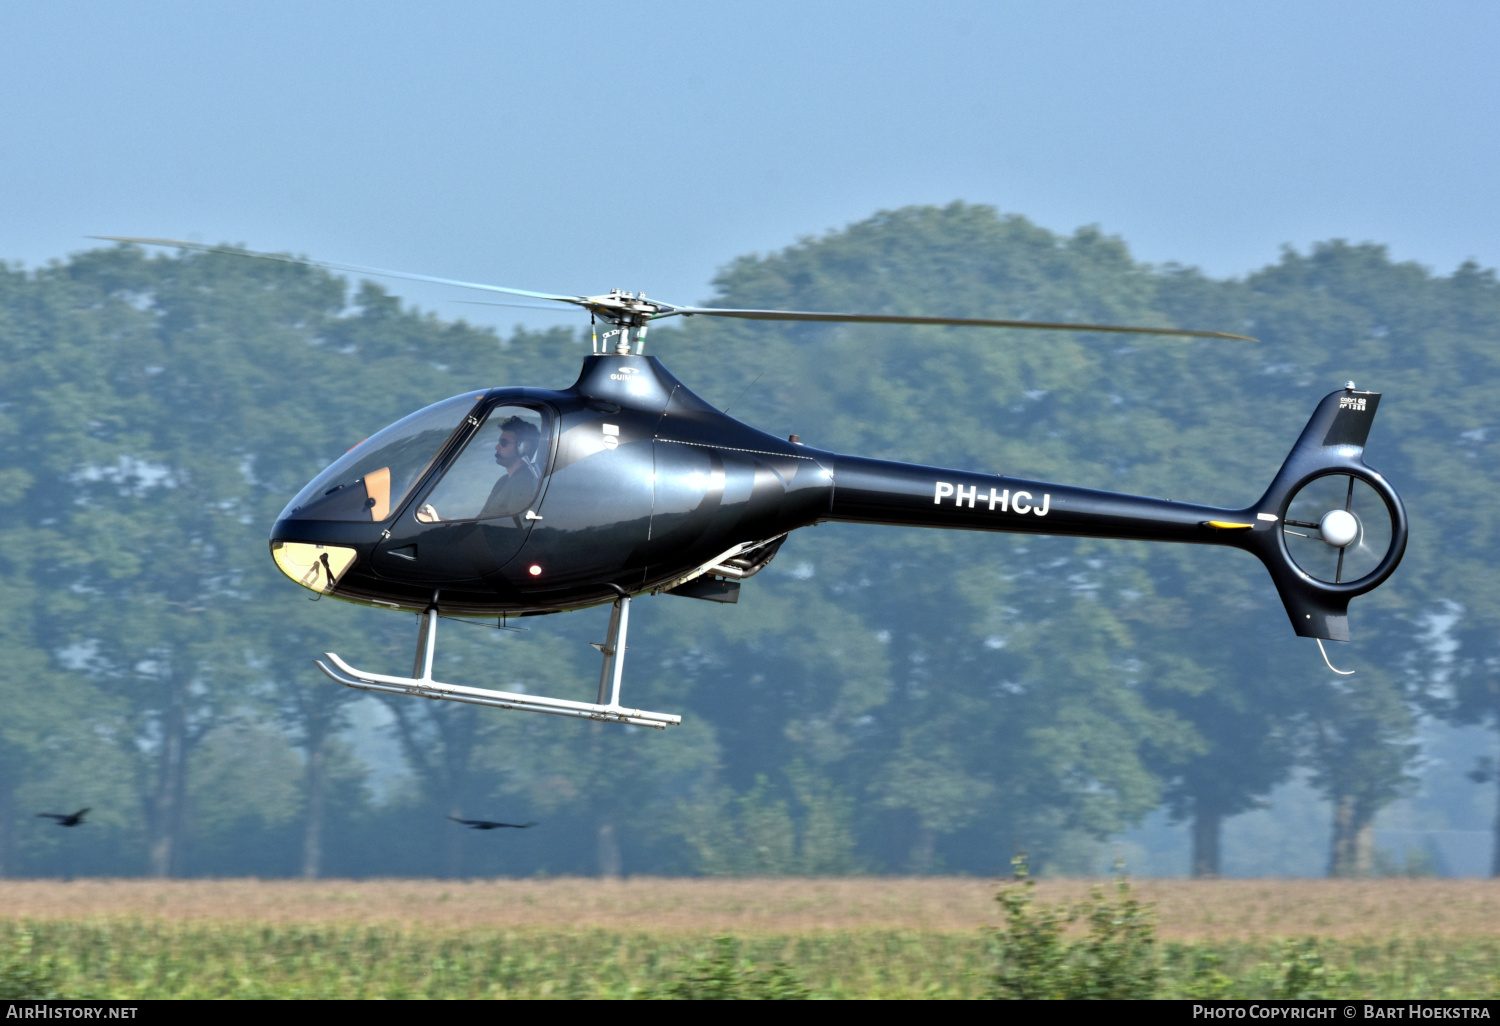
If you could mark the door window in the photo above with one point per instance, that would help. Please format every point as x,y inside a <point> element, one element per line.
<point>499,472</point>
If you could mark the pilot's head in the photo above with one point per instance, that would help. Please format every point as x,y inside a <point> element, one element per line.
<point>518,442</point>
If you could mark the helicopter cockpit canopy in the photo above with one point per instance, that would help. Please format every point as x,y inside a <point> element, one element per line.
<point>373,479</point>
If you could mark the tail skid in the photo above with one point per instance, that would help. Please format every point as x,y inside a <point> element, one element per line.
<point>421,684</point>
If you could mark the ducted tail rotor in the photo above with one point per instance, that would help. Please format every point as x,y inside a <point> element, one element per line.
<point>1338,528</point>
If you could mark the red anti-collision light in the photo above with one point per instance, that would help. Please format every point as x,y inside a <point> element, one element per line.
<point>534,570</point>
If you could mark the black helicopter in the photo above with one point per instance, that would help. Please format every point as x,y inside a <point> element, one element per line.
<point>628,483</point>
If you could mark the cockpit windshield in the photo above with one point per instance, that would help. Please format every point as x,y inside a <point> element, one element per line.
<point>371,480</point>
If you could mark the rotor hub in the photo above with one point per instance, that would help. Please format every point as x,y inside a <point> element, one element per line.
<point>625,309</point>
<point>1338,528</point>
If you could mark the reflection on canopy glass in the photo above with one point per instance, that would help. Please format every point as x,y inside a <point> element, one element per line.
<point>371,480</point>
<point>499,472</point>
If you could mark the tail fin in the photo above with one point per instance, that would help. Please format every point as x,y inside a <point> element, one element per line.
<point>1319,557</point>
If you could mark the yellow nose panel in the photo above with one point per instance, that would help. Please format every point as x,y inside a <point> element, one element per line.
<point>316,567</point>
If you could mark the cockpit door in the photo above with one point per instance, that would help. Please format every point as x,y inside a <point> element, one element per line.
<point>597,509</point>
<point>476,514</point>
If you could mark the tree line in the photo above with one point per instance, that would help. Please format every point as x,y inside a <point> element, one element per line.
<point>880,700</point>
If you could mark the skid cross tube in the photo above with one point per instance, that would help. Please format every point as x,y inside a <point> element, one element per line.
<point>420,684</point>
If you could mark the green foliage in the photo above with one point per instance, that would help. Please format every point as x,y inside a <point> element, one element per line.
<point>724,976</point>
<point>1035,959</point>
<point>131,959</point>
<point>1305,976</point>
<point>1203,978</point>
<point>125,960</point>
<point>755,834</point>
<point>24,974</point>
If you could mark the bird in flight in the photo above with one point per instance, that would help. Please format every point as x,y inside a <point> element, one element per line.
<point>64,819</point>
<point>489,824</point>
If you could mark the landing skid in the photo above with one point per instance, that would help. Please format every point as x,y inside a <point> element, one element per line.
<point>421,685</point>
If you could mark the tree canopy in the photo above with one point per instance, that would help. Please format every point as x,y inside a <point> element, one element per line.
<point>880,699</point>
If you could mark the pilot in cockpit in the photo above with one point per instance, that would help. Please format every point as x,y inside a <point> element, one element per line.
<point>469,490</point>
<point>514,451</point>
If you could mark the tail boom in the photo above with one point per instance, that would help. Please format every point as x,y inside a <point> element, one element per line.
<point>870,491</point>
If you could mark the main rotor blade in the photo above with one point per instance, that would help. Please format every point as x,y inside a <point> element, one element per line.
<point>347,268</point>
<point>514,306</point>
<point>799,315</point>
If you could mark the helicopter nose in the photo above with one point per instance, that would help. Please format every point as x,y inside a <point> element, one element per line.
<point>315,567</point>
<point>1338,528</point>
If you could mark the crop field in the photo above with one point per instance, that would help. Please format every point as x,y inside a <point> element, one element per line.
<point>869,937</point>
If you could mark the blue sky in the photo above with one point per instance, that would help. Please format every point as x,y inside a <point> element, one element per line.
<point>576,147</point>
